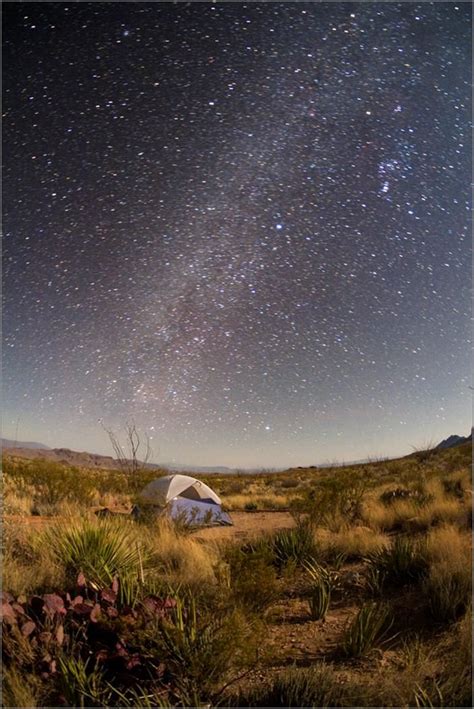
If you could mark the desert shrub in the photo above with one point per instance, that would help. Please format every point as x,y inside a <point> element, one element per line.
<point>235,487</point>
<point>54,483</point>
<point>253,578</point>
<point>388,518</point>
<point>401,563</point>
<point>16,499</point>
<point>49,484</point>
<point>454,487</point>
<point>273,502</point>
<point>317,686</point>
<point>426,505</point>
<point>250,506</point>
<point>336,501</point>
<point>419,497</point>
<point>441,511</point>
<point>369,627</point>
<point>425,454</point>
<point>289,483</point>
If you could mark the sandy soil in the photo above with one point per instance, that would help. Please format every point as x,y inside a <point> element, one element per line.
<point>246,524</point>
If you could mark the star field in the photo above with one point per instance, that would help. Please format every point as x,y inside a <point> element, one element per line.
<point>245,226</point>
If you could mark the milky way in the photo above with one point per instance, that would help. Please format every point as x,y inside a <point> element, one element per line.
<point>245,227</point>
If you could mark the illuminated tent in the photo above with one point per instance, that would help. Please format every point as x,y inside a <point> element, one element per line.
<point>184,498</point>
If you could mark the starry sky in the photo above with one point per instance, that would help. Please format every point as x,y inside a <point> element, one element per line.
<point>244,226</point>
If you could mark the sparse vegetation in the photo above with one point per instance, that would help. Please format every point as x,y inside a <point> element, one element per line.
<point>402,562</point>
<point>114,612</point>
<point>448,583</point>
<point>370,626</point>
<point>320,590</point>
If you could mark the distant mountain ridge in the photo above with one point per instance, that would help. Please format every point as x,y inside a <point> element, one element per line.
<point>454,440</point>
<point>31,450</point>
<point>7,443</point>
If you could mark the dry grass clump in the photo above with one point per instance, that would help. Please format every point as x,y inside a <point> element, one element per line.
<point>435,505</point>
<point>448,583</point>
<point>28,564</point>
<point>112,500</point>
<point>20,691</point>
<point>262,501</point>
<point>17,505</point>
<point>352,542</point>
<point>449,546</point>
<point>387,517</point>
<point>439,511</point>
<point>185,560</point>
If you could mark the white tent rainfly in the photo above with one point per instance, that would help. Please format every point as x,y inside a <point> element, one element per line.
<point>184,497</point>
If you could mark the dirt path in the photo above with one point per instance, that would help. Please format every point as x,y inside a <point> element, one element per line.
<point>246,524</point>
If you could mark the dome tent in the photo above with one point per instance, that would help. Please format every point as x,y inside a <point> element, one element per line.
<point>183,497</point>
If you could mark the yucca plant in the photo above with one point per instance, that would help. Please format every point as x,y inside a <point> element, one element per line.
<point>101,551</point>
<point>338,560</point>
<point>374,580</point>
<point>294,545</point>
<point>403,562</point>
<point>369,627</point>
<point>319,600</point>
<point>321,588</point>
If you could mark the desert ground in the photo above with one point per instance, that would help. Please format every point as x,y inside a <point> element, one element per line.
<point>343,586</point>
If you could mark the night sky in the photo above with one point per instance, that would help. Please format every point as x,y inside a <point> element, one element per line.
<point>243,226</point>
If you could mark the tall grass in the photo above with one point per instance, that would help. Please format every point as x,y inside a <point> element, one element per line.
<point>317,686</point>
<point>20,690</point>
<point>448,583</point>
<point>351,542</point>
<point>433,504</point>
<point>183,558</point>
<point>29,565</point>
